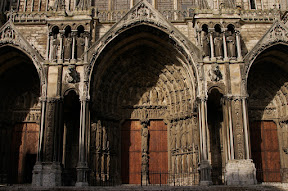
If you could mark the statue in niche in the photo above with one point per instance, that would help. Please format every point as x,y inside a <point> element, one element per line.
<point>215,73</point>
<point>72,76</point>
<point>231,45</point>
<point>205,43</point>
<point>218,42</point>
<point>55,45</point>
<point>68,47</point>
<point>80,45</point>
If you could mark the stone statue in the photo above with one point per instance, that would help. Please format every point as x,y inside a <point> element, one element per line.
<point>205,43</point>
<point>144,142</point>
<point>68,47</point>
<point>218,42</point>
<point>98,136</point>
<point>231,45</point>
<point>55,45</point>
<point>80,45</point>
<point>104,144</point>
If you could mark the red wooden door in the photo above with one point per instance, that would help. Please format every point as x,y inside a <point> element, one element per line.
<point>265,151</point>
<point>131,152</point>
<point>158,153</point>
<point>24,151</point>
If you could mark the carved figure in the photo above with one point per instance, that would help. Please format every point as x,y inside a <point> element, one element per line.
<point>55,45</point>
<point>215,73</point>
<point>144,142</point>
<point>98,136</point>
<point>105,143</point>
<point>218,42</point>
<point>231,45</point>
<point>68,47</point>
<point>72,76</point>
<point>80,45</point>
<point>205,43</point>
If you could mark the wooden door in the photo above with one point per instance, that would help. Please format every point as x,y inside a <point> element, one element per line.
<point>131,152</point>
<point>265,151</point>
<point>158,153</point>
<point>24,151</point>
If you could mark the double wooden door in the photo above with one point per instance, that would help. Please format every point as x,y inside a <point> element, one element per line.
<point>265,151</point>
<point>131,152</point>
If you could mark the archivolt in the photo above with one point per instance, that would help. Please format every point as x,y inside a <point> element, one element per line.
<point>141,67</point>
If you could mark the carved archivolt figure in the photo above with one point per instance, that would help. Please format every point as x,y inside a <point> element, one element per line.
<point>218,42</point>
<point>205,43</point>
<point>231,45</point>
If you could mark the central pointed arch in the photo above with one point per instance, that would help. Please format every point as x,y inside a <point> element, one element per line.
<point>141,75</point>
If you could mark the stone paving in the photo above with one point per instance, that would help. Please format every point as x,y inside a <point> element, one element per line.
<point>259,187</point>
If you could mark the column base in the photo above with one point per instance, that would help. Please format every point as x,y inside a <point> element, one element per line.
<point>82,174</point>
<point>240,172</point>
<point>284,175</point>
<point>205,173</point>
<point>47,174</point>
<point>37,176</point>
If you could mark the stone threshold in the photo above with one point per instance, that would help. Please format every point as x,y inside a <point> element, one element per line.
<point>258,187</point>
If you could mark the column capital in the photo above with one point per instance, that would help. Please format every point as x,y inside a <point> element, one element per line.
<point>202,98</point>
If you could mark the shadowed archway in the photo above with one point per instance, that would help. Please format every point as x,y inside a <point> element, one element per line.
<point>20,113</point>
<point>267,105</point>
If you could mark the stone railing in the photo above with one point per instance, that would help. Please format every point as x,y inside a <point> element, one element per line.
<point>36,17</point>
<point>260,15</point>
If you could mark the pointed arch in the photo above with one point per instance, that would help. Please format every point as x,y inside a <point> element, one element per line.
<point>9,36</point>
<point>144,14</point>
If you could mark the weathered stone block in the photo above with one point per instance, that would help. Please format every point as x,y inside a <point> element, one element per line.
<point>240,172</point>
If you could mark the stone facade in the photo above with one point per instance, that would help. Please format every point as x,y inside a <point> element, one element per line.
<point>210,70</point>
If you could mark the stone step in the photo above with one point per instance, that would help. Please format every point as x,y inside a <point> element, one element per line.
<point>259,187</point>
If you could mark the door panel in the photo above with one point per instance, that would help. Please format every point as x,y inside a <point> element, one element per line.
<point>131,152</point>
<point>158,154</point>
<point>265,151</point>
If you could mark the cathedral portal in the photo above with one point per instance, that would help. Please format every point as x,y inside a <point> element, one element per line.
<point>142,101</point>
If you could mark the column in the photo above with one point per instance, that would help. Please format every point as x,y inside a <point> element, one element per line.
<point>231,138</point>
<point>212,45</point>
<point>246,127</point>
<point>82,166</point>
<point>205,166</point>
<point>86,35</point>
<point>74,34</point>
<point>225,45</point>
<point>37,176</point>
<point>131,3</point>
<point>144,151</point>
<point>48,51</point>
<point>41,132</point>
<point>239,51</point>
